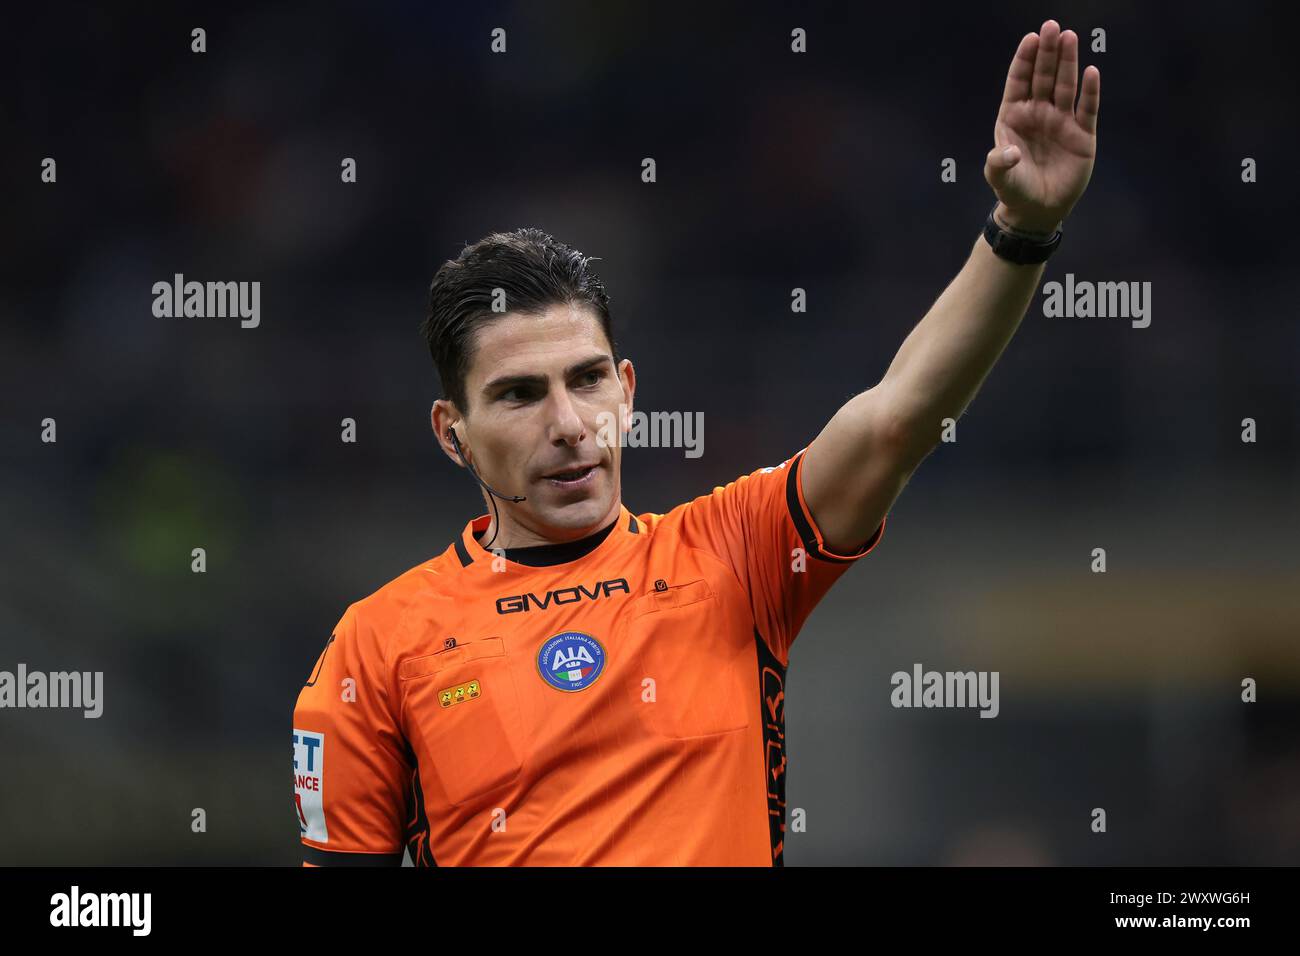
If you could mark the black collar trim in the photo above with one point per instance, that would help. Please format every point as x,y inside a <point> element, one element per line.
<point>542,555</point>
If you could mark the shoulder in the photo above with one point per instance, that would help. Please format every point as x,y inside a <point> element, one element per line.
<point>776,482</point>
<point>376,617</point>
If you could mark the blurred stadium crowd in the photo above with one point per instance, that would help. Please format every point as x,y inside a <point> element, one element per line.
<point>1119,690</point>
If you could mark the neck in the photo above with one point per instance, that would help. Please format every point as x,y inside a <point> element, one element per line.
<point>517,534</point>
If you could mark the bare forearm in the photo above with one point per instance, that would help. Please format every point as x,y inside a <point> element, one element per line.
<point>946,357</point>
<point>1039,166</point>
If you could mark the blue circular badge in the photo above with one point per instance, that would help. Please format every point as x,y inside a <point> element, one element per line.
<point>571,661</point>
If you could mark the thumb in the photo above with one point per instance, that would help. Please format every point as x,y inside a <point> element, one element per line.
<point>999,163</point>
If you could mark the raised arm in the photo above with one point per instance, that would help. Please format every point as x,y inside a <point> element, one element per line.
<point>1039,166</point>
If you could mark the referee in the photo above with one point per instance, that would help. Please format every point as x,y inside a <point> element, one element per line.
<point>570,683</point>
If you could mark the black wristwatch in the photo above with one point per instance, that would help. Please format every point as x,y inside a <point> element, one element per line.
<point>1018,249</point>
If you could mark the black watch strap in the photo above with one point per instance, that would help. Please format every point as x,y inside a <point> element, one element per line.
<point>1018,249</point>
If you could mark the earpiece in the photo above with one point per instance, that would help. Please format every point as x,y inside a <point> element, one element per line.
<point>455,440</point>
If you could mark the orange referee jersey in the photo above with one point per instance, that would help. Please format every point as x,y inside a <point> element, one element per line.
<point>613,701</point>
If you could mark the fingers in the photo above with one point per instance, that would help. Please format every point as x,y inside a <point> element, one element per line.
<point>1067,72</point>
<point>1090,101</point>
<point>1046,67</point>
<point>1044,79</point>
<point>1022,70</point>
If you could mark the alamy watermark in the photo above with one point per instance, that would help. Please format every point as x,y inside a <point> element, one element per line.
<point>210,300</point>
<point>922,688</point>
<point>652,430</point>
<point>75,909</point>
<point>72,689</point>
<point>1085,300</point>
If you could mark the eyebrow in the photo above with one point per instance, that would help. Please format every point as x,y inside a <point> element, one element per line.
<point>512,381</point>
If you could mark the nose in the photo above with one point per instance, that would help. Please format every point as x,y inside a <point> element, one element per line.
<point>566,425</point>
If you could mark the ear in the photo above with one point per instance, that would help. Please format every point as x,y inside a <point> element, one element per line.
<point>444,416</point>
<point>627,378</point>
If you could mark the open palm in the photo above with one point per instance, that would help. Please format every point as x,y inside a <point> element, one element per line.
<point>1044,147</point>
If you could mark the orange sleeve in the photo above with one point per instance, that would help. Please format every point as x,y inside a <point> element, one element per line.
<point>351,769</point>
<point>761,527</point>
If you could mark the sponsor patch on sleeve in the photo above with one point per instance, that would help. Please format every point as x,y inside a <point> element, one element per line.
<point>309,784</point>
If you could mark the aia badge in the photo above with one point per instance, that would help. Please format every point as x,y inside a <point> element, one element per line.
<point>571,661</point>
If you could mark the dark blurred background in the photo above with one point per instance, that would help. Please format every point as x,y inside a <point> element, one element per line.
<point>775,170</point>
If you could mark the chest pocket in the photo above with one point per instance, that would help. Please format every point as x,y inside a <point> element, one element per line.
<point>696,657</point>
<point>463,706</point>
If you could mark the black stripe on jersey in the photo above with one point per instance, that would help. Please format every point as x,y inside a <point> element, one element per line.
<point>418,825</point>
<point>321,857</point>
<point>463,553</point>
<point>771,702</point>
<point>805,529</point>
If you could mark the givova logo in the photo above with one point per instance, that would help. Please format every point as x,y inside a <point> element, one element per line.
<point>571,661</point>
<point>309,784</point>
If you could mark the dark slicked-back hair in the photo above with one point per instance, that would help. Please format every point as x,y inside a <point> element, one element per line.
<point>534,270</point>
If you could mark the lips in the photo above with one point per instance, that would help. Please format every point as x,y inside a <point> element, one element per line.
<point>576,473</point>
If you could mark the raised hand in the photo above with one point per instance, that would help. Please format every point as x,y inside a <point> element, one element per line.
<point>1045,146</point>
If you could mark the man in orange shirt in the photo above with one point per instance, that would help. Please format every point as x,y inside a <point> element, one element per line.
<point>569,683</point>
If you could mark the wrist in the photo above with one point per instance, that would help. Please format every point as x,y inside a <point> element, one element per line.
<point>1036,229</point>
<point>1019,242</point>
